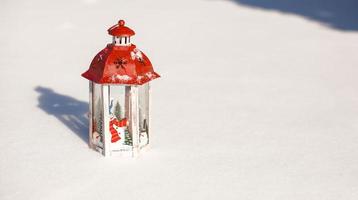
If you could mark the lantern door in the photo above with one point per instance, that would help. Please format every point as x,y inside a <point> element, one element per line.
<point>117,120</point>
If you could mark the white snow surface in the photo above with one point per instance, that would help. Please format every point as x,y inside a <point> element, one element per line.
<point>252,104</point>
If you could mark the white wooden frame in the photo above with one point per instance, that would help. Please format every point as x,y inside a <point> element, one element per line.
<point>149,119</point>
<point>134,120</point>
<point>106,119</point>
<point>90,115</point>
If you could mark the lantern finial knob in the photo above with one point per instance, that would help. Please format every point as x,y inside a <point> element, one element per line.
<point>121,22</point>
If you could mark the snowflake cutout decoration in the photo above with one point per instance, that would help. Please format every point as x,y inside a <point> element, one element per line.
<point>120,63</point>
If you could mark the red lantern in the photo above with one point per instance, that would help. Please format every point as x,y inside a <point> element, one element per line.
<point>119,78</point>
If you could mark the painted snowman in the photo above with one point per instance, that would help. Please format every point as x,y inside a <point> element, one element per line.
<point>96,139</point>
<point>116,126</point>
<point>143,134</point>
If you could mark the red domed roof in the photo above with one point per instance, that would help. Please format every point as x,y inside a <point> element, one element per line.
<point>120,65</point>
<point>120,30</point>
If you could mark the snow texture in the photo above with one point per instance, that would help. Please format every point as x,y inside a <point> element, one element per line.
<point>136,54</point>
<point>253,103</point>
<point>121,77</point>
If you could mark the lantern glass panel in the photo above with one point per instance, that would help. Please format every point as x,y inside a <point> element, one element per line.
<point>97,116</point>
<point>143,104</point>
<point>119,115</point>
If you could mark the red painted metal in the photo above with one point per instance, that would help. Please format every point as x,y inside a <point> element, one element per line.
<point>121,65</point>
<point>120,30</point>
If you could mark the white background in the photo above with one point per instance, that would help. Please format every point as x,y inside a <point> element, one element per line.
<point>253,103</point>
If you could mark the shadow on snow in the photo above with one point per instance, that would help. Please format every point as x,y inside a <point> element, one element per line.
<point>341,15</point>
<point>70,111</point>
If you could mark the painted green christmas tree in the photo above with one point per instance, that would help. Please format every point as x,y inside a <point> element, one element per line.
<point>127,137</point>
<point>117,111</point>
